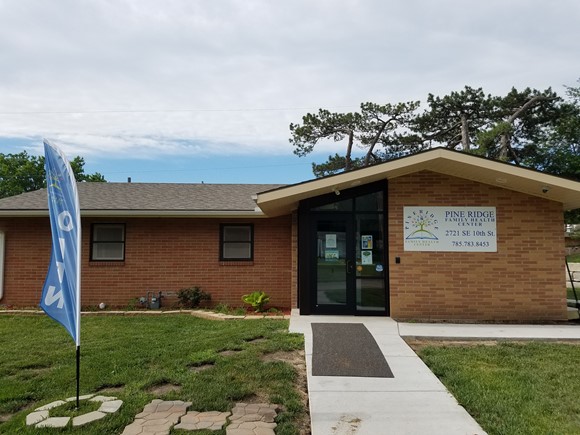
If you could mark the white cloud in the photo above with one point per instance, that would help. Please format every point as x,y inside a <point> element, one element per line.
<point>222,59</point>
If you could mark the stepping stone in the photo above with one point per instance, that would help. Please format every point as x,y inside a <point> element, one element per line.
<point>73,399</point>
<point>51,405</point>
<point>54,422</point>
<point>251,428</point>
<point>40,417</point>
<point>102,399</point>
<point>110,406</point>
<point>211,420</point>
<point>264,412</point>
<point>158,417</point>
<point>252,419</point>
<point>36,417</point>
<point>89,417</point>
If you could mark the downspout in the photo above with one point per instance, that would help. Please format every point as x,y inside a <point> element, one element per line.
<point>1,264</point>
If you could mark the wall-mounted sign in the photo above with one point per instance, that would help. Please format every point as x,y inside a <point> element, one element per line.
<point>459,229</point>
<point>366,242</point>
<point>367,257</point>
<point>331,240</point>
<point>331,254</point>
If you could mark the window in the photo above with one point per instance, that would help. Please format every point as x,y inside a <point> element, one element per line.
<point>108,242</point>
<point>237,242</point>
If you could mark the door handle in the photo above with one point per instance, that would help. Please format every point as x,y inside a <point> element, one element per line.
<point>349,266</point>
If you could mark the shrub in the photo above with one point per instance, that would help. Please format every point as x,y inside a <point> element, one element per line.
<point>257,300</point>
<point>191,297</point>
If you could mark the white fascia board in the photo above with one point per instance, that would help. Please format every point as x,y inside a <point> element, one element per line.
<point>145,213</point>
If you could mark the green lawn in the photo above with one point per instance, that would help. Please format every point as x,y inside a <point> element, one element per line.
<point>134,354</point>
<point>513,388</point>
<point>574,258</point>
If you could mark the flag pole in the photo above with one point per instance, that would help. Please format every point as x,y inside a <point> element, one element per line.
<point>78,289</point>
<point>78,375</point>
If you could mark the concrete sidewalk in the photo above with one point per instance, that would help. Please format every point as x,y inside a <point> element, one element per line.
<point>413,402</point>
<point>493,332</point>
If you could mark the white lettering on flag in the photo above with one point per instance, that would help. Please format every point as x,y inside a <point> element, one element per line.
<point>60,269</point>
<point>61,221</point>
<point>51,297</point>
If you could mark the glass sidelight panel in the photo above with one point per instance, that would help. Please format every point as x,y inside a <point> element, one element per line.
<point>370,294</point>
<point>331,263</point>
<point>370,262</point>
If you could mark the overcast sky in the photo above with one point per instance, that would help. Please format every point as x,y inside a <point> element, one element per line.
<point>190,90</point>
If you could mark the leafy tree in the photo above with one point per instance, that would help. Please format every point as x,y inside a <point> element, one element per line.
<point>325,125</point>
<point>22,172</point>
<point>558,151</point>
<point>386,126</point>
<point>533,128</point>
<point>455,119</point>
<point>520,120</point>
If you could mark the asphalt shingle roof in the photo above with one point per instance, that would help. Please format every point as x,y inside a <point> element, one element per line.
<point>149,197</point>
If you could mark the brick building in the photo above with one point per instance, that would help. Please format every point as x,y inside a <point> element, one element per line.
<point>439,235</point>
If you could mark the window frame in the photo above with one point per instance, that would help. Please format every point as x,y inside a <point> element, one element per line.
<point>93,242</point>
<point>223,226</point>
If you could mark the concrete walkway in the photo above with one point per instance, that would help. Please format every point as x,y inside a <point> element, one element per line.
<point>413,402</point>
<point>493,332</point>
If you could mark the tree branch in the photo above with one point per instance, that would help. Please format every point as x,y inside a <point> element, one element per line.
<point>348,161</point>
<point>374,142</point>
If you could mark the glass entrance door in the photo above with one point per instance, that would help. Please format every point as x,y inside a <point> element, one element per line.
<point>342,261</point>
<point>334,265</point>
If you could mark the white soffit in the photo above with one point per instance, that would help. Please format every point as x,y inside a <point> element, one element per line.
<point>457,164</point>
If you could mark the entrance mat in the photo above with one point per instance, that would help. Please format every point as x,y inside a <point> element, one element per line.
<point>347,349</point>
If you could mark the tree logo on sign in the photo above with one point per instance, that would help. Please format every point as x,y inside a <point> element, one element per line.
<point>420,222</point>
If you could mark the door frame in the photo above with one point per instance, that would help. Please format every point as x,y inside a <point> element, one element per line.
<point>306,258</point>
<point>349,307</point>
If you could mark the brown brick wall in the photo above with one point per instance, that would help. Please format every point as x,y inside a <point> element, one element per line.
<point>161,254</point>
<point>294,254</point>
<point>522,281</point>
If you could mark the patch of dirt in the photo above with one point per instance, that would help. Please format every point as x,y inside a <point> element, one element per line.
<point>258,397</point>
<point>229,352</point>
<point>36,367</point>
<point>160,390</point>
<point>298,361</point>
<point>110,388</point>
<point>256,340</point>
<point>201,367</point>
<point>293,357</point>
<point>26,407</point>
<point>276,311</point>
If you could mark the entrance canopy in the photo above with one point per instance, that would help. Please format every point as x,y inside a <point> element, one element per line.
<point>284,200</point>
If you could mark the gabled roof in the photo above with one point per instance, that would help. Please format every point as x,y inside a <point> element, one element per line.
<point>441,160</point>
<point>239,200</point>
<point>148,200</point>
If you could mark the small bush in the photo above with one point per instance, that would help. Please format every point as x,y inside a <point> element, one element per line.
<point>221,308</point>
<point>257,300</point>
<point>191,297</point>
